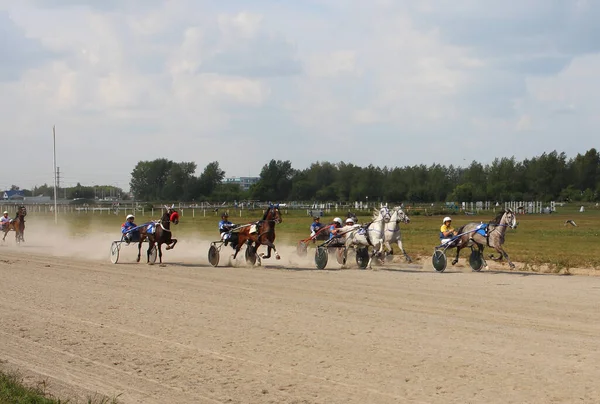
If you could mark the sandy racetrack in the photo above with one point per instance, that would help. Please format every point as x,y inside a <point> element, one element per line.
<point>190,333</point>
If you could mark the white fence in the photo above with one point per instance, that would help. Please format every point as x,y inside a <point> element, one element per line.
<point>522,207</point>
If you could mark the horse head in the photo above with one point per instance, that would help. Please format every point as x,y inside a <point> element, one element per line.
<point>22,211</point>
<point>401,216</point>
<point>384,214</point>
<point>171,215</point>
<point>510,218</point>
<point>273,213</point>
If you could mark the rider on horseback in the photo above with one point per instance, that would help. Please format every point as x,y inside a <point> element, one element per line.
<point>5,220</point>
<point>225,227</point>
<point>130,235</point>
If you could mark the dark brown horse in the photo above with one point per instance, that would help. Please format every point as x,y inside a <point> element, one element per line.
<point>159,233</point>
<point>18,225</point>
<point>261,233</point>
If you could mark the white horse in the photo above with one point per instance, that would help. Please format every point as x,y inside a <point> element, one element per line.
<point>371,234</point>
<point>392,231</point>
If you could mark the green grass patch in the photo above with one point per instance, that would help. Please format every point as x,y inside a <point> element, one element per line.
<point>13,390</point>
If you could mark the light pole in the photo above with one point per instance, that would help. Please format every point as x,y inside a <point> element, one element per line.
<point>54,158</point>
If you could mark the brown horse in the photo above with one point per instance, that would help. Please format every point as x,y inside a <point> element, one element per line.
<point>261,232</point>
<point>18,225</point>
<point>160,235</point>
<point>490,234</point>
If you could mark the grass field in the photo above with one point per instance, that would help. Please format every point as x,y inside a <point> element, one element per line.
<point>539,240</point>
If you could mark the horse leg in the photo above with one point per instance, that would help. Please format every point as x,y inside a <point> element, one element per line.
<point>139,252</point>
<point>159,253</point>
<point>480,247</point>
<point>505,255</point>
<point>171,246</point>
<point>401,247</point>
<point>455,260</point>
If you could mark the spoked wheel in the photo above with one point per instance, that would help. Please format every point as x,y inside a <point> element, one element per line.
<point>114,252</point>
<point>439,261</point>
<point>301,249</point>
<point>250,255</point>
<point>476,260</point>
<point>321,257</point>
<point>340,255</point>
<point>153,254</point>
<point>213,255</point>
<point>362,257</point>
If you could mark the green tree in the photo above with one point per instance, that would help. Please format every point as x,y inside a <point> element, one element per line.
<point>275,182</point>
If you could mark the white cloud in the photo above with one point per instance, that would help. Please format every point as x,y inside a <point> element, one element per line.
<point>121,78</point>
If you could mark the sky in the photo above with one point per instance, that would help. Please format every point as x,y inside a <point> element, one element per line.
<point>382,82</point>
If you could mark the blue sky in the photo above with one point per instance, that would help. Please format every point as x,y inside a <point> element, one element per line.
<point>382,82</point>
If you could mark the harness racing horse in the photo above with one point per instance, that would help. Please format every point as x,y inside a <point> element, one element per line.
<point>371,234</point>
<point>260,233</point>
<point>392,231</point>
<point>18,225</point>
<point>160,235</point>
<point>490,234</point>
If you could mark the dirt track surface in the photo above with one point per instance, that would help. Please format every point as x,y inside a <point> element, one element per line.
<point>190,333</point>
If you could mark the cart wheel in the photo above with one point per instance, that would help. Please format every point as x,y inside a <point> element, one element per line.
<point>301,249</point>
<point>250,255</point>
<point>439,261</point>
<point>321,257</point>
<point>114,252</point>
<point>213,255</point>
<point>476,260</point>
<point>153,254</point>
<point>362,257</point>
<point>340,255</point>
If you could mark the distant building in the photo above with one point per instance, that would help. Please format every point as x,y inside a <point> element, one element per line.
<point>13,195</point>
<point>37,199</point>
<point>244,182</point>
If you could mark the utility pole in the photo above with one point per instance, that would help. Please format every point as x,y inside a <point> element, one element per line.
<point>54,158</point>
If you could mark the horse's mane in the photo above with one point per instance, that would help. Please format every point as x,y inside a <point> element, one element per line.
<point>498,217</point>
<point>376,213</point>
<point>266,213</point>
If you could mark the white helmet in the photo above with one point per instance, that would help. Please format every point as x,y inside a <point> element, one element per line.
<point>5,213</point>
<point>337,220</point>
<point>446,219</point>
<point>129,217</point>
<point>350,220</point>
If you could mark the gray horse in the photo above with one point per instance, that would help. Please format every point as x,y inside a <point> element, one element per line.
<point>490,234</point>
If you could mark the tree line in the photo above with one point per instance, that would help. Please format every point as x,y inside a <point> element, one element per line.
<point>77,192</point>
<point>550,176</point>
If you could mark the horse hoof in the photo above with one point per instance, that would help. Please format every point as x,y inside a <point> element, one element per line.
<point>454,262</point>
<point>277,257</point>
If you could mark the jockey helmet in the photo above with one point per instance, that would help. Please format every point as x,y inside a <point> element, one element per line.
<point>224,214</point>
<point>5,213</point>
<point>316,218</point>
<point>446,219</point>
<point>130,217</point>
<point>350,220</point>
<point>337,220</point>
